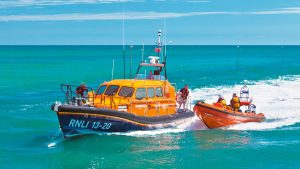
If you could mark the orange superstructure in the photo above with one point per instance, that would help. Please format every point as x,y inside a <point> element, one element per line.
<point>147,98</point>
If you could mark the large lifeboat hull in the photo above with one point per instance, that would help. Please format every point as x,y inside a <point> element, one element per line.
<point>79,120</point>
<point>216,117</point>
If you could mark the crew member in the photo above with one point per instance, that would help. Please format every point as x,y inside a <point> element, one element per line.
<point>222,101</point>
<point>81,89</point>
<point>184,95</point>
<point>235,102</point>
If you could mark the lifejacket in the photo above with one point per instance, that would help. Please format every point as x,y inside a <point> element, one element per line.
<point>235,103</point>
<point>184,93</point>
<point>218,105</point>
<point>80,90</point>
<point>222,101</point>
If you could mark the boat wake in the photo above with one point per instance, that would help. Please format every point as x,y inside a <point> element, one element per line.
<point>150,133</point>
<point>278,99</point>
<point>191,124</point>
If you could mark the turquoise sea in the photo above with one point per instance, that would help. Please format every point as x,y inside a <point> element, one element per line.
<point>30,78</point>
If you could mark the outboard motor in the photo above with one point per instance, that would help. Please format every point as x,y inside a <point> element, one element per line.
<point>252,108</point>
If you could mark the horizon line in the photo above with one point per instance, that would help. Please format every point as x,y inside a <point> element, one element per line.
<point>150,45</point>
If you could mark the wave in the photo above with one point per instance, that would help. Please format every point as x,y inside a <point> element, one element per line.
<point>27,107</point>
<point>191,124</point>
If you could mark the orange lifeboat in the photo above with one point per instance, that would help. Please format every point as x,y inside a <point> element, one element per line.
<point>216,116</point>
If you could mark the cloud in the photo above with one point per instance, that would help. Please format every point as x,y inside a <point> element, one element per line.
<point>22,3</point>
<point>135,15</point>
<point>103,16</point>
<point>295,10</point>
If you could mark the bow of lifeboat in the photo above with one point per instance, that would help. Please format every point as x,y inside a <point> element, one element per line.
<point>78,120</point>
<point>216,116</point>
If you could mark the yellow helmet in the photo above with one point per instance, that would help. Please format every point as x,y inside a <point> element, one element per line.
<point>223,102</point>
<point>235,99</point>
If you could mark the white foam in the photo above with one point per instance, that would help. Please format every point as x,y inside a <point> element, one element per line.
<point>51,145</point>
<point>28,106</point>
<point>278,99</point>
<point>190,124</point>
<point>193,124</point>
<point>152,132</point>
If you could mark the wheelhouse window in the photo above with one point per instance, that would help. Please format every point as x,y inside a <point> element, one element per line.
<point>150,93</point>
<point>112,89</point>
<point>140,93</point>
<point>101,90</point>
<point>126,91</point>
<point>159,92</point>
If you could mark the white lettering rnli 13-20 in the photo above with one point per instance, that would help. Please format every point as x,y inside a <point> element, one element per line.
<point>85,124</point>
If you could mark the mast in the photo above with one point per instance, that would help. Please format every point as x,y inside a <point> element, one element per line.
<point>143,49</point>
<point>165,51</point>
<point>112,70</point>
<point>155,60</point>
<point>159,43</point>
<point>131,47</point>
<point>165,40</point>
<point>238,57</point>
<point>124,71</point>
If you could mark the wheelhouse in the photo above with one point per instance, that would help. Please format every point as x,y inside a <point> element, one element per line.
<point>134,91</point>
<point>151,71</point>
<point>140,97</point>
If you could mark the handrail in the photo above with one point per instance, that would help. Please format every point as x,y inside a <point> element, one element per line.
<point>71,97</point>
<point>188,103</point>
<point>112,101</point>
<point>149,77</point>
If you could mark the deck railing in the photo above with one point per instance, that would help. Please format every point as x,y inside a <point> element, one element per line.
<point>149,77</point>
<point>72,98</point>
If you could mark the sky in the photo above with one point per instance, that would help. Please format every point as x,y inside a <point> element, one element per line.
<point>198,22</point>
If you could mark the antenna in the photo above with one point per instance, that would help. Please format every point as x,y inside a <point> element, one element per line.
<point>238,58</point>
<point>124,45</point>
<point>165,51</point>
<point>143,49</point>
<point>159,43</point>
<point>113,68</point>
<point>165,39</point>
<point>131,47</point>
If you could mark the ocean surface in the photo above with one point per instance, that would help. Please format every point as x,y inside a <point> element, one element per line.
<point>30,78</point>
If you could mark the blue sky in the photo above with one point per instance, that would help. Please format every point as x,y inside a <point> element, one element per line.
<point>99,22</point>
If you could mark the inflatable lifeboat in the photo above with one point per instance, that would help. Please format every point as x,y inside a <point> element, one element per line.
<point>216,116</point>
